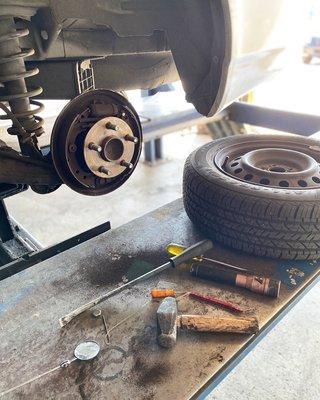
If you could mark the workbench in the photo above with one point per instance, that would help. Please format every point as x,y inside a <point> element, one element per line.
<point>131,365</point>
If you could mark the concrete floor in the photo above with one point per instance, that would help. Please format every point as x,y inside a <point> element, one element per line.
<point>286,364</point>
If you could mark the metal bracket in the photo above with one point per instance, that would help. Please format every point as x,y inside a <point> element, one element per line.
<point>13,243</point>
<point>85,76</point>
<point>30,259</point>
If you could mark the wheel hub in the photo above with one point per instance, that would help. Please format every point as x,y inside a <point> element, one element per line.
<point>279,167</point>
<point>109,147</point>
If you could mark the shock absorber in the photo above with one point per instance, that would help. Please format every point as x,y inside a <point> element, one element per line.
<point>25,123</point>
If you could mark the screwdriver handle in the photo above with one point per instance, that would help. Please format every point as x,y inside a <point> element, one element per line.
<point>193,251</point>
<point>175,249</point>
<point>162,293</point>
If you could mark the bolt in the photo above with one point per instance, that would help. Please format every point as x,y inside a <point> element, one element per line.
<point>130,138</point>
<point>126,164</point>
<point>72,148</point>
<point>44,35</point>
<point>123,114</point>
<point>95,147</point>
<point>96,313</point>
<point>110,125</point>
<point>104,170</point>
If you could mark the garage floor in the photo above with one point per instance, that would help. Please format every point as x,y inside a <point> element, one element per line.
<point>286,365</point>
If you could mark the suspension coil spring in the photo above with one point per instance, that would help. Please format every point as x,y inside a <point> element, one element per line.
<point>12,77</point>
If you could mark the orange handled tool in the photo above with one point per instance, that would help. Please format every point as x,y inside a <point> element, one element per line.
<point>162,293</point>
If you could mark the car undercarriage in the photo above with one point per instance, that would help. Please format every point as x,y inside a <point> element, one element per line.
<point>65,49</point>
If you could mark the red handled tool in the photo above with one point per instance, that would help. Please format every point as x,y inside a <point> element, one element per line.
<point>216,301</point>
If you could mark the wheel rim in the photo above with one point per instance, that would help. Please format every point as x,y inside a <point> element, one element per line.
<point>274,163</point>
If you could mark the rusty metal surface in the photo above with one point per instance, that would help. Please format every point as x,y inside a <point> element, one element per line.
<point>88,116</point>
<point>111,144</point>
<point>131,365</point>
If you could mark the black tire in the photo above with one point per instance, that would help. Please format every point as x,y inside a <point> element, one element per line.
<point>265,221</point>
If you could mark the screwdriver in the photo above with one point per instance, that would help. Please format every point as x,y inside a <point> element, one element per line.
<point>185,255</point>
<point>176,249</point>
<point>202,268</point>
<point>162,293</point>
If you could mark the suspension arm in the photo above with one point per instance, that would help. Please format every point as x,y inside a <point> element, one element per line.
<point>15,168</point>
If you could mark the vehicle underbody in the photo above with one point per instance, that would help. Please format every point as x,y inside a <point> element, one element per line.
<point>65,49</point>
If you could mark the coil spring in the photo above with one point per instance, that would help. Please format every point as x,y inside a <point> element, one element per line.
<point>34,124</point>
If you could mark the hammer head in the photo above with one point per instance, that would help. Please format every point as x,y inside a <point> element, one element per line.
<point>166,322</point>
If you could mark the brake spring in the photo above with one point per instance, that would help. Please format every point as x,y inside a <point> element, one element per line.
<point>25,123</point>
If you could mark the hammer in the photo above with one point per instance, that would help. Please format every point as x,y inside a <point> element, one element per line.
<point>168,321</point>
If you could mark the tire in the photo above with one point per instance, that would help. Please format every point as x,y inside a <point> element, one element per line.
<point>274,222</point>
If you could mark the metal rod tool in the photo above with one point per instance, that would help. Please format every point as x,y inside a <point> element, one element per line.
<point>175,249</point>
<point>191,252</point>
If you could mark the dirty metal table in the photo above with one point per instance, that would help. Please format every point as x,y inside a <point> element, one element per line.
<point>131,366</point>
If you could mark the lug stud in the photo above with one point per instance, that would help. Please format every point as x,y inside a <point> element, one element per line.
<point>95,147</point>
<point>104,170</point>
<point>110,125</point>
<point>130,138</point>
<point>126,164</point>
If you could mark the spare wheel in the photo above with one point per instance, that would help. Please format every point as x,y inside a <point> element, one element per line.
<point>257,193</point>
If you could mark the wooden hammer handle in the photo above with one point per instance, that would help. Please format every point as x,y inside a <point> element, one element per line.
<point>205,323</point>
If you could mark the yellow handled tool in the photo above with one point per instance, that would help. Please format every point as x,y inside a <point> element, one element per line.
<point>175,249</point>
<point>175,261</point>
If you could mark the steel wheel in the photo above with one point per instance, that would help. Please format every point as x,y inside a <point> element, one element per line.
<point>257,193</point>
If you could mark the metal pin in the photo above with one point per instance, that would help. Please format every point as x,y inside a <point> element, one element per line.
<point>104,170</point>
<point>105,327</point>
<point>110,125</point>
<point>130,138</point>
<point>95,147</point>
<point>126,164</point>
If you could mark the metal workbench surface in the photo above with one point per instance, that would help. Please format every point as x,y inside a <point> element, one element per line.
<point>131,366</point>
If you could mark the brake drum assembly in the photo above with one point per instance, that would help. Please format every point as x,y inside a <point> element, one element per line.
<point>96,142</point>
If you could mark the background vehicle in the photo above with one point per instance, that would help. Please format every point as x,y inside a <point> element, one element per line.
<point>311,50</point>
